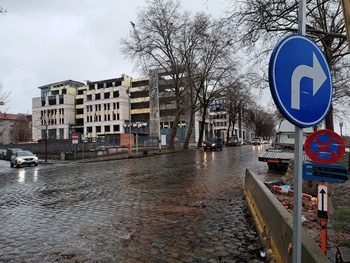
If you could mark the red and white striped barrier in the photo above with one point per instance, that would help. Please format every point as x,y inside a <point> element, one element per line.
<point>286,191</point>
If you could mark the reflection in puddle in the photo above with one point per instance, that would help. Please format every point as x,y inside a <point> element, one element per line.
<point>23,173</point>
<point>36,174</point>
<point>21,176</point>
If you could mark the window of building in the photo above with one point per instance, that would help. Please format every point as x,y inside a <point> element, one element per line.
<point>61,133</point>
<point>97,96</point>
<point>115,94</point>
<point>116,128</point>
<point>89,97</point>
<point>107,128</point>
<point>98,128</point>
<point>107,95</point>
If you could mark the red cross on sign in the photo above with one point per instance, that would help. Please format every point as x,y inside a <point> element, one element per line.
<point>324,146</point>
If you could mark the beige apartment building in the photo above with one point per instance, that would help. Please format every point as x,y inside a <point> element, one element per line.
<point>102,110</point>
<point>92,110</point>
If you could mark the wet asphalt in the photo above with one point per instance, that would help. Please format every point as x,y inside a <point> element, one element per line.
<point>183,207</point>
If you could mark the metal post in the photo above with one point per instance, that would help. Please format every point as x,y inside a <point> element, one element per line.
<point>129,150</point>
<point>341,129</point>
<point>298,161</point>
<point>158,109</point>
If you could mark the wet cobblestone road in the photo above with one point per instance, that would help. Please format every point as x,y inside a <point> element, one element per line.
<point>184,207</point>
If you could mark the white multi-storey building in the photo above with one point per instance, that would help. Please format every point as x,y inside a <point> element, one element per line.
<point>101,109</point>
<point>54,112</point>
<point>96,109</point>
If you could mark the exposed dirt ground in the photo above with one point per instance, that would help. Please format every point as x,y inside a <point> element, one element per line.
<point>338,224</point>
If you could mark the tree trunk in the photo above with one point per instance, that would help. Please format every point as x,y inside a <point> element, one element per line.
<point>201,129</point>
<point>189,131</point>
<point>228,131</point>
<point>329,119</point>
<point>176,124</point>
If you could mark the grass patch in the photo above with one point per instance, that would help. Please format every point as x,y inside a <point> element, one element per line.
<point>340,216</point>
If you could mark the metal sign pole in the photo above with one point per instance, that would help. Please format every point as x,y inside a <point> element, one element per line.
<point>298,161</point>
<point>298,165</point>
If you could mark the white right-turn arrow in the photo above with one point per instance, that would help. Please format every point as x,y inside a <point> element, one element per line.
<point>315,72</point>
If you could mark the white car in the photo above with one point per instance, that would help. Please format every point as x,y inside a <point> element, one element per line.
<point>256,141</point>
<point>23,158</point>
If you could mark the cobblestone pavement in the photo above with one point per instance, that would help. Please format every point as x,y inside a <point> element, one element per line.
<point>186,207</point>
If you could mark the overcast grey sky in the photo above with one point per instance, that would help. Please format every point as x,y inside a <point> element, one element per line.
<point>47,41</point>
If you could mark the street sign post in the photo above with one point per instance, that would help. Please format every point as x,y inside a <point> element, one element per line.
<point>322,212</point>
<point>75,138</point>
<point>300,81</point>
<point>333,173</point>
<point>322,200</point>
<point>324,146</point>
<point>301,86</point>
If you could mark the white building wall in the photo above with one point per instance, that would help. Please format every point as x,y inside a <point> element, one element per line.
<point>62,116</point>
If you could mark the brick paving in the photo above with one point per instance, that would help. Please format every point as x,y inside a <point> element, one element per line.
<point>186,207</point>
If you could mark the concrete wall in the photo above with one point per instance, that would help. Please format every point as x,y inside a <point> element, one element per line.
<point>275,223</point>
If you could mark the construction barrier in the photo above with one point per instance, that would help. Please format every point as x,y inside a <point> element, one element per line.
<point>275,224</point>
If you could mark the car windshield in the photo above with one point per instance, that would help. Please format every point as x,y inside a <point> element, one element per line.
<point>24,153</point>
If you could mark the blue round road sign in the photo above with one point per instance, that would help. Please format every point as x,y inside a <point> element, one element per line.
<point>300,81</point>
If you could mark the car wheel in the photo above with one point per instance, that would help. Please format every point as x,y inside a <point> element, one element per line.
<point>17,165</point>
<point>11,165</point>
<point>36,164</point>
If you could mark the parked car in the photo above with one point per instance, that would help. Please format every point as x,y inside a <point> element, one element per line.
<point>10,152</point>
<point>256,141</point>
<point>2,154</point>
<point>233,141</point>
<point>215,145</point>
<point>24,158</point>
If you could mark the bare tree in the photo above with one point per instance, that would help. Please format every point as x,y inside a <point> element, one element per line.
<point>21,129</point>
<point>192,50</point>
<point>237,99</point>
<point>262,122</point>
<point>266,21</point>
<point>210,64</point>
<point>162,31</point>
<point>4,96</point>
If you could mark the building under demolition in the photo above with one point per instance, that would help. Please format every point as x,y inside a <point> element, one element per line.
<point>102,110</point>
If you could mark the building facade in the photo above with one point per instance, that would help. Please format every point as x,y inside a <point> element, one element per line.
<point>15,128</point>
<point>107,108</point>
<point>220,121</point>
<point>54,112</point>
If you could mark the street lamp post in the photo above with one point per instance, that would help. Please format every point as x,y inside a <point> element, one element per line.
<point>129,150</point>
<point>341,128</point>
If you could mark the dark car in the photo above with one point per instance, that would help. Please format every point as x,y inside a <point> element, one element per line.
<point>10,152</point>
<point>2,154</point>
<point>213,145</point>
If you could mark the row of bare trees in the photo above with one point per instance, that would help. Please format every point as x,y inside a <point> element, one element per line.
<point>196,51</point>
<point>262,23</point>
